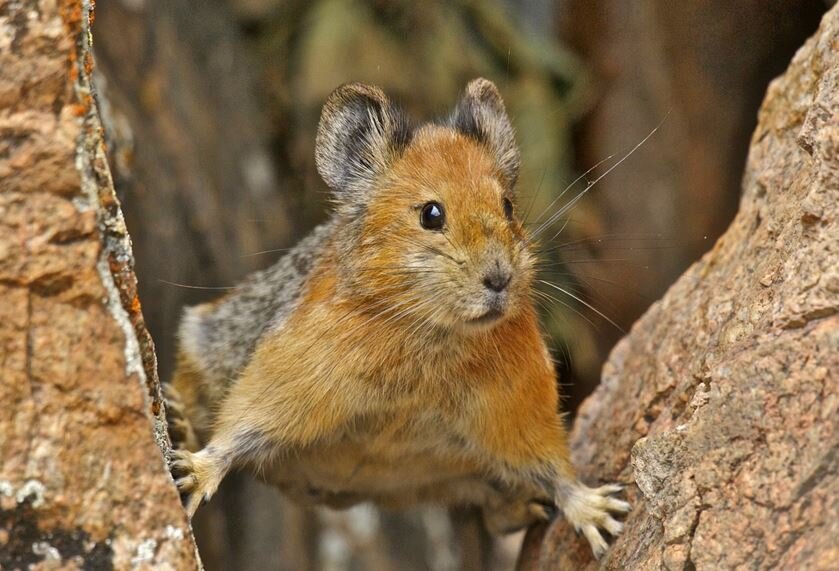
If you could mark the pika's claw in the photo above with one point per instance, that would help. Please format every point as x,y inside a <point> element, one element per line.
<point>598,544</point>
<point>180,463</point>
<point>608,489</point>
<point>180,467</point>
<point>196,476</point>
<point>613,526</point>
<point>186,484</point>
<point>616,505</point>
<point>589,510</point>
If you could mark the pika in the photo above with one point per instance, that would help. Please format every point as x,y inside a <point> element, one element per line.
<point>394,355</point>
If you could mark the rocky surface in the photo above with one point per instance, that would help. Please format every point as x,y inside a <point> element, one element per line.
<point>83,483</point>
<point>720,409</point>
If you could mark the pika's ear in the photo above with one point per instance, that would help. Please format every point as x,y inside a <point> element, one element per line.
<point>359,135</point>
<point>480,114</point>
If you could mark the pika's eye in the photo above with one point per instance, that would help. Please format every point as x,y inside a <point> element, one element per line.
<point>508,208</point>
<point>432,216</point>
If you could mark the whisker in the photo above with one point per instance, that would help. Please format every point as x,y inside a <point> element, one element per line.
<point>261,252</point>
<point>560,230</point>
<point>429,247</point>
<point>583,277</point>
<point>607,238</point>
<point>536,195</point>
<point>626,248</point>
<point>404,273</point>
<point>619,236</point>
<point>575,181</point>
<point>571,203</point>
<point>606,260</point>
<point>569,306</point>
<point>588,305</point>
<point>591,291</point>
<point>188,286</point>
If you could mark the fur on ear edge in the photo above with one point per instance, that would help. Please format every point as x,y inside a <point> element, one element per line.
<point>481,115</point>
<point>359,134</point>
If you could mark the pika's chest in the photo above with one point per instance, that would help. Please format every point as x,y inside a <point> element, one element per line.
<point>377,456</point>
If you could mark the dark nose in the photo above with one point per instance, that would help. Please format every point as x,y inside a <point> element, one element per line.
<point>497,280</point>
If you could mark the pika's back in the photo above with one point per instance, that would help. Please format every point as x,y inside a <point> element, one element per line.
<point>223,334</point>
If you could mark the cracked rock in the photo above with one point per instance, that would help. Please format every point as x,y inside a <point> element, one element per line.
<point>735,464</point>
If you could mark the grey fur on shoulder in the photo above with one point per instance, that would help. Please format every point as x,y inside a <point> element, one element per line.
<point>221,336</point>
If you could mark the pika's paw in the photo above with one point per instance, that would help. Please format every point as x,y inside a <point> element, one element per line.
<point>196,477</point>
<point>590,509</point>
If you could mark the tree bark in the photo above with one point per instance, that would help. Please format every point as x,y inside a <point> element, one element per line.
<point>719,409</point>
<point>83,483</point>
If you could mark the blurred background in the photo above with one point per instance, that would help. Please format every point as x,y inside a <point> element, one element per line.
<point>210,108</point>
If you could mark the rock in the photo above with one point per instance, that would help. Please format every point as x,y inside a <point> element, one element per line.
<point>83,482</point>
<point>719,410</point>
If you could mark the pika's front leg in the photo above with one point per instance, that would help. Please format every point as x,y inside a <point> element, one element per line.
<point>529,451</point>
<point>588,510</point>
<point>267,413</point>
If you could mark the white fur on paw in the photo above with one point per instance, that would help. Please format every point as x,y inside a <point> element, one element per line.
<point>590,510</point>
<point>194,478</point>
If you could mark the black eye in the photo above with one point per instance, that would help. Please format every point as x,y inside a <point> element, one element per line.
<point>508,209</point>
<point>432,216</point>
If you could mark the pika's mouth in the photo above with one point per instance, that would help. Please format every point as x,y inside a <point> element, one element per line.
<point>489,317</point>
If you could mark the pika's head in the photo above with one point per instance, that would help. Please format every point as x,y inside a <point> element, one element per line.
<point>433,235</point>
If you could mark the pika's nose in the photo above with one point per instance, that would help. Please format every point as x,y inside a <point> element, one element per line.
<point>497,280</point>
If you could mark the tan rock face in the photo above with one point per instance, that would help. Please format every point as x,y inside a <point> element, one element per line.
<point>82,480</point>
<point>720,410</point>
